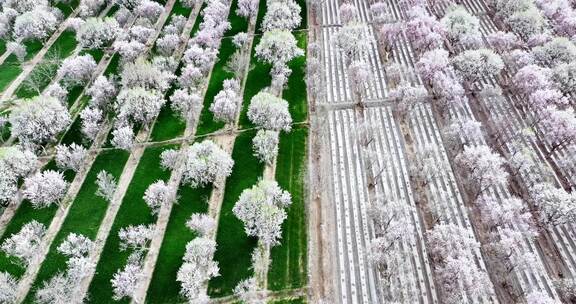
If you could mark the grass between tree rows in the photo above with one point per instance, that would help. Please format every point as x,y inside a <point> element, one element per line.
<point>234,250</point>
<point>133,211</point>
<point>288,267</point>
<point>84,217</point>
<point>163,287</point>
<point>219,74</point>
<point>289,301</point>
<point>62,48</point>
<point>258,79</point>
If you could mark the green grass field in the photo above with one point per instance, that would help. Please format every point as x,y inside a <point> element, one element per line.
<point>85,215</point>
<point>133,211</point>
<point>62,48</point>
<point>234,247</point>
<point>164,288</point>
<point>219,74</point>
<point>258,79</point>
<point>288,267</point>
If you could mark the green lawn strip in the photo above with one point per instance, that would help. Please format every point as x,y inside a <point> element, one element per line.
<point>234,247</point>
<point>24,215</point>
<point>288,267</point>
<point>113,10</point>
<point>67,9</point>
<point>304,23</point>
<point>258,79</point>
<point>168,124</point>
<point>295,92</point>
<point>112,68</point>
<point>163,287</point>
<point>133,211</point>
<point>32,48</point>
<point>11,68</point>
<point>237,23</point>
<point>289,301</point>
<point>63,47</point>
<point>84,217</point>
<point>2,46</point>
<point>260,17</point>
<point>219,74</point>
<point>5,132</point>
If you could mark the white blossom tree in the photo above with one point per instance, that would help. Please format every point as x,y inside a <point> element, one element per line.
<point>265,145</point>
<point>90,8</point>
<point>475,64</point>
<point>8,285</point>
<point>57,91</point>
<point>45,188</point>
<point>97,33</point>
<point>247,8</point>
<point>16,161</point>
<point>281,15</point>
<point>205,163</point>
<point>557,51</point>
<point>35,24</point>
<point>202,224</point>
<point>145,74</point>
<point>149,9</point>
<point>106,184</point>
<point>76,246</point>
<point>139,105</point>
<point>261,209</point>
<point>38,120</point>
<point>123,138</point>
<point>157,195</point>
<point>197,268</point>
<point>169,159</point>
<point>70,157</point>
<point>102,91</point>
<point>24,244</point>
<point>556,206</point>
<point>248,291</point>
<point>461,27</point>
<point>186,103</point>
<point>277,47</point>
<point>125,280</point>
<point>92,119</point>
<point>564,77</point>
<point>135,238</point>
<point>482,167</point>
<point>226,102</point>
<point>269,112</point>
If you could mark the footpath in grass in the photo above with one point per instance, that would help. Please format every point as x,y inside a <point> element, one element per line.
<point>84,217</point>
<point>25,214</point>
<point>133,211</point>
<point>288,267</point>
<point>234,247</point>
<point>62,48</point>
<point>163,287</point>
